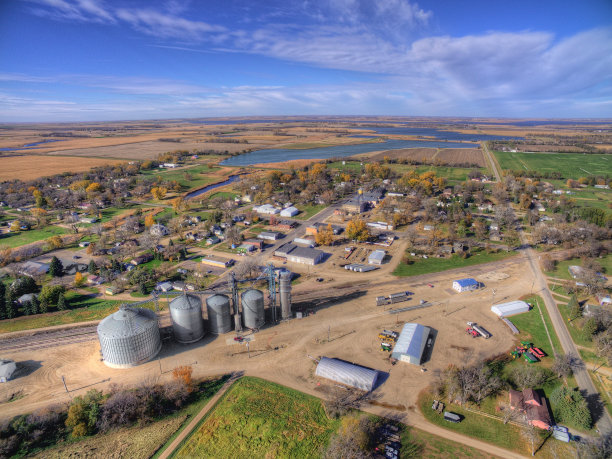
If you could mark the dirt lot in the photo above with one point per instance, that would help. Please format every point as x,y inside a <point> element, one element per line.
<point>461,156</point>
<point>31,167</point>
<point>345,306</point>
<point>447,155</point>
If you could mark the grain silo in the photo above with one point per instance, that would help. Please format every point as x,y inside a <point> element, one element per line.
<point>129,337</point>
<point>285,294</point>
<point>253,308</point>
<point>186,315</point>
<point>219,315</point>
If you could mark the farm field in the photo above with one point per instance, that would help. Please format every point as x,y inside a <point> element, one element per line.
<point>256,418</point>
<point>26,237</point>
<point>450,173</point>
<point>448,155</point>
<point>30,167</point>
<point>571,165</point>
<point>434,265</point>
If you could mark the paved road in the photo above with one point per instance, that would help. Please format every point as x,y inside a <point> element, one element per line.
<point>604,421</point>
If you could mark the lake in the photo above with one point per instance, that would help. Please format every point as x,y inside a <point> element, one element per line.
<point>30,146</point>
<point>274,155</point>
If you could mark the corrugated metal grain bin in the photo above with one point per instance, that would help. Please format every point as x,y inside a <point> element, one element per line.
<point>253,308</point>
<point>219,315</point>
<point>186,315</point>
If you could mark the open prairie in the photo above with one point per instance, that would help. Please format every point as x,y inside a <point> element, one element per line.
<point>30,167</point>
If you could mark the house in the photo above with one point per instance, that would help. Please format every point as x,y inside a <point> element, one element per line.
<point>245,248</point>
<point>486,206</point>
<point>84,244</point>
<point>495,236</point>
<point>159,230</point>
<point>144,258</point>
<point>458,247</point>
<point>602,187</point>
<point>394,194</point>
<point>269,235</point>
<point>316,227</point>
<point>212,240</point>
<point>170,165</point>
<point>377,257</point>
<point>164,286</point>
<point>112,290</point>
<point>95,280</point>
<point>23,299</point>
<point>465,285</point>
<point>305,241</point>
<point>603,299</point>
<point>373,197</point>
<point>289,212</point>
<point>533,406</point>
<point>285,224</point>
<point>380,225</point>
<point>88,219</point>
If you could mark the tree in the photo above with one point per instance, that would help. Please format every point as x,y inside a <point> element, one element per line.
<point>357,230</point>
<point>178,204</point>
<point>527,376</point>
<point>562,365</point>
<point>78,279</point>
<point>49,295</point>
<point>142,288</point>
<point>353,440</point>
<point>3,314</point>
<point>573,307</point>
<point>325,236</point>
<point>61,303</point>
<point>589,328</point>
<point>531,435</point>
<point>15,226</point>
<point>55,242</point>
<point>92,268</point>
<point>159,192</point>
<point>56,268</point>
<point>570,406</point>
<point>149,220</point>
<point>83,413</point>
<point>183,374</point>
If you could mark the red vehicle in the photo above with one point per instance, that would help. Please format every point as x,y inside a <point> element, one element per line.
<point>471,331</point>
<point>538,352</point>
<point>240,339</point>
<point>430,285</point>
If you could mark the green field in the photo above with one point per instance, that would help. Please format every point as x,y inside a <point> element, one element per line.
<point>26,237</point>
<point>256,418</point>
<point>435,265</point>
<point>223,194</point>
<point>83,308</point>
<point>570,165</point>
<point>308,211</point>
<point>201,175</point>
<point>561,269</point>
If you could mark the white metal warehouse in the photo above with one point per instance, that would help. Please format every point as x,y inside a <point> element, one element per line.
<point>347,373</point>
<point>411,343</point>
<point>510,309</point>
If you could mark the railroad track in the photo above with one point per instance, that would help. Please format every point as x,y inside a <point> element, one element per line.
<point>44,340</point>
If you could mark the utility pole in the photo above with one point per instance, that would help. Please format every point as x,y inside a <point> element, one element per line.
<point>66,387</point>
<point>328,332</point>
<point>248,349</point>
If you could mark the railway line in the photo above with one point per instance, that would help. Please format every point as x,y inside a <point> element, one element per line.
<point>47,339</point>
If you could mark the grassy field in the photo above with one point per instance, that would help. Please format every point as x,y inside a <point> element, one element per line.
<point>434,265</point>
<point>140,441</point>
<point>223,194</point>
<point>532,328</point>
<point>417,443</point>
<point>571,165</point>
<point>26,237</point>
<point>256,418</point>
<point>201,175</point>
<point>561,269</point>
<point>30,167</point>
<point>309,210</point>
<point>82,309</point>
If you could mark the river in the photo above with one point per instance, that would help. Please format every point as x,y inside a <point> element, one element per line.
<point>230,179</point>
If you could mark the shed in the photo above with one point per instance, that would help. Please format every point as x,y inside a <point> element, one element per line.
<point>347,373</point>
<point>7,369</point>
<point>269,235</point>
<point>510,309</point>
<point>164,286</point>
<point>465,285</point>
<point>377,257</point>
<point>305,255</point>
<point>411,343</point>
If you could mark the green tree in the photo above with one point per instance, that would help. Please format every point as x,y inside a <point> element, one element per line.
<point>570,406</point>
<point>589,328</point>
<point>3,314</point>
<point>142,288</point>
<point>56,268</point>
<point>61,303</point>
<point>573,307</point>
<point>49,295</point>
<point>92,267</point>
<point>9,305</point>
<point>83,413</point>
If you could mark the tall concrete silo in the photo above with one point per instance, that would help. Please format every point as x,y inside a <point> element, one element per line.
<point>285,295</point>
<point>219,314</point>
<point>253,309</point>
<point>186,315</point>
<point>129,337</point>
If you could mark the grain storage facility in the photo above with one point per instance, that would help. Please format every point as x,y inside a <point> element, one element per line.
<point>219,315</point>
<point>186,315</point>
<point>129,337</point>
<point>253,309</point>
<point>411,343</point>
<point>285,294</point>
<point>347,373</point>
<point>509,309</point>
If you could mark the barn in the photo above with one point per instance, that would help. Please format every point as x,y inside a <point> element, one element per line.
<point>347,373</point>
<point>510,309</point>
<point>411,343</point>
<point>465,285</point>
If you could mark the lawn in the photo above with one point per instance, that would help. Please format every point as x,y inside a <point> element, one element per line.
<point>570,165</point>
<point>223,195</point>
<point>561,268</point>
<point>532,328</point>
<point>308,211</point>
<point>201,175</point>
<point>434,265</point>
<point>83,308</point>
<point>256,418</point>
<point>418,443</point>
<point>26,237</point>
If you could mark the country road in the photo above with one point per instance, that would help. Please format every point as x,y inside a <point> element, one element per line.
<point>600,414</point>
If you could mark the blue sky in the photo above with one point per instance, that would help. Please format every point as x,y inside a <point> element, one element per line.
<point>85,60</point>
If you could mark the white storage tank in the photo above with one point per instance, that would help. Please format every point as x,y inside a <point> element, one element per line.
<point>186,315</point>
<point>253,309</point>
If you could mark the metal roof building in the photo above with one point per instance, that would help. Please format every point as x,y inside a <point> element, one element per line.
<point>509,309</point>
<point>464,285</point>
<point>347,373</point>
<point>7,368</point>
<point>411,343</point>
<point>377,257</point>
